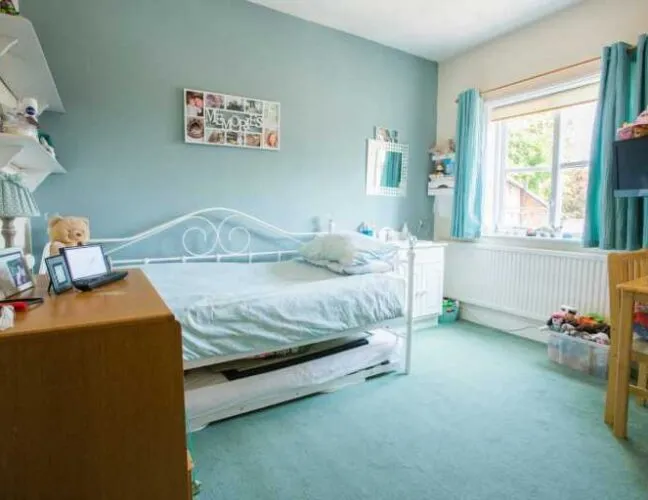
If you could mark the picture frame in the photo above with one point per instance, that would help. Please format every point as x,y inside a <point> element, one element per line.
<point>385,135</point>
<point>15,276</point>
<point>59,274</point>
<point>219,119</point>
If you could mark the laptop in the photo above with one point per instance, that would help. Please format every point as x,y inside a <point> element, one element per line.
<point>89,268</point>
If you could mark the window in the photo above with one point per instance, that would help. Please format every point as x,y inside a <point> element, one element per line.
<point>540,163</point>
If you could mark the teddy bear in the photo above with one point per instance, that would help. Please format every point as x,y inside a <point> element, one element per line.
<point>67,232</point>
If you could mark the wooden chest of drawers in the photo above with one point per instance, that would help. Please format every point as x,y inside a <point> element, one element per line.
<point>91,398</point>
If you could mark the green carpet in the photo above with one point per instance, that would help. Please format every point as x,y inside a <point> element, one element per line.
<point>484,415</point>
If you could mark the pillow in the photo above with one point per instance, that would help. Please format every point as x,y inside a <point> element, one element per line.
<point>377,266</point>
<point>348,248</point>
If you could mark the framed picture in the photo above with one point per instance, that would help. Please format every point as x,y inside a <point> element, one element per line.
<point>219,119</point>
<point>385,135</point>
<point>15,276</point>
<point>59,274</point>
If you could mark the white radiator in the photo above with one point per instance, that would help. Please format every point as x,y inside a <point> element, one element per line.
<point>526,282</point>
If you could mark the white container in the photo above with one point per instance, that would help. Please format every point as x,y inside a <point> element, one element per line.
<point>578,354</point>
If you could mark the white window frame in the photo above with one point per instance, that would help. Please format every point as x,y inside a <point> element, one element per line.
<point>499,158</point>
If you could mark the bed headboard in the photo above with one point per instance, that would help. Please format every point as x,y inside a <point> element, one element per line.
<point>211,234</point>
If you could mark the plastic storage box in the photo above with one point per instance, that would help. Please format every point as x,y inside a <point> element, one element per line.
<point>578,354</point>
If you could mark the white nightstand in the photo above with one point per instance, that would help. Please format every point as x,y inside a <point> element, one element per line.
<point>428,277</point>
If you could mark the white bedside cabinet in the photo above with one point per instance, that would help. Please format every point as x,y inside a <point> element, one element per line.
<point>428,277</point>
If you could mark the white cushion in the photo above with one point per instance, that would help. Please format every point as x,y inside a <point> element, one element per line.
<point>348,248</point>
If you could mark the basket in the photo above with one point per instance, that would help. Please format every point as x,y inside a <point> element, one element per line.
<point>450,311</point>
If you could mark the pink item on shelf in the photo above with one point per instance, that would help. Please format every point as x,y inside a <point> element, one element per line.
<point>626,132</point>
<point>638,128</point>
<point>642,119</point>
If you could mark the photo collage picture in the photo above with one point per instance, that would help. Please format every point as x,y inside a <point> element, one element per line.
<point>220,119</point>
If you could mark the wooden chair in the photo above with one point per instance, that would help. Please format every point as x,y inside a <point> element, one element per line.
<point>622,267</point>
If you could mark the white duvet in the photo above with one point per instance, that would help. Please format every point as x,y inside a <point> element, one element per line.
<point>227,309</point>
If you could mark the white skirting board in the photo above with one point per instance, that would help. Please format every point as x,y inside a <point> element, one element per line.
<point>210,397</point>
<point>515,325</point>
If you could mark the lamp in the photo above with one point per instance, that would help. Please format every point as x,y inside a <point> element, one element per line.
<point>15,201</point>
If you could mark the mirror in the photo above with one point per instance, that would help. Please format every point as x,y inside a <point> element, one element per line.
<point>387,168</point>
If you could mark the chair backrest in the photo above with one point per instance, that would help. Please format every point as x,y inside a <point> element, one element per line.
<point>622,267</point>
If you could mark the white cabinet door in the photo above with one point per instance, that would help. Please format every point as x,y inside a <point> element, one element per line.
<point>428,280</point>
<point>433,297</point>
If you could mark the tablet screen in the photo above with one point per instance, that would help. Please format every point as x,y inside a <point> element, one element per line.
<point>85,262</point>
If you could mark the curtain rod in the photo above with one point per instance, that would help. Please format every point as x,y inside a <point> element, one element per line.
<point>631,48</point>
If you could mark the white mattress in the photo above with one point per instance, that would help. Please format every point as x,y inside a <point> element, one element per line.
<point>226,309</point>
<point>209,396</point>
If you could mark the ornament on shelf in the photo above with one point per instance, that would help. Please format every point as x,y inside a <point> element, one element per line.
<point>9,7</point>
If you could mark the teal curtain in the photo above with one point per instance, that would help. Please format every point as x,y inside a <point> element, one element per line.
<point>616,223</point>
<point>391,174</point>
<point>467,205</point>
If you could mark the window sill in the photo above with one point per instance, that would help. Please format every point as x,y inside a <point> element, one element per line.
<point>535,242</point>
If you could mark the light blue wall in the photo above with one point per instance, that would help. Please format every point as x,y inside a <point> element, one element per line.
<point>120,68</point>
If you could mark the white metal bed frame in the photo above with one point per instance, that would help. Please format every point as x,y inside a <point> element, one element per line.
<point>217,238</point>
<point>222,225</point>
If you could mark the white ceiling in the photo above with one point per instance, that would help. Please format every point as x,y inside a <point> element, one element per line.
<point>433,29</point>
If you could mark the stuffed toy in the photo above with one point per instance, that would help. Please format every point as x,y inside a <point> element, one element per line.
<point>556,321</point>
<point>570,314</point>
<point>67,232</point>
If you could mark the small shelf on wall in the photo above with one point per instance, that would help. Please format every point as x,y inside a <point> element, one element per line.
<point>23,67</point>
<point>440,157</point>
<point>440,185</point>
<point>27,157</point>
<point>440,191</point>
<point>24,73</point>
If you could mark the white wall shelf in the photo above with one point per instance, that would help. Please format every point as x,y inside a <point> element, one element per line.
<point>23,67</point>
<point>26,156</point>
<point>439,157</point>
<point>25,73</point>
<point>440,191</point>
<point>441,185</point>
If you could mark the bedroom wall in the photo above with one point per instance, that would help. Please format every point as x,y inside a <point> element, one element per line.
<point>567,37</point>
<point>120,68</point>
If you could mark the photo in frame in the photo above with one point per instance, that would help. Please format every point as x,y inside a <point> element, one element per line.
<point>385,135</point>
<point>219,119</point>
<point>15,276</point>
<point>59,274</point>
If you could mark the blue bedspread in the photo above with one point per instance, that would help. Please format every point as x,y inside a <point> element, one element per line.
<point>227,309</point>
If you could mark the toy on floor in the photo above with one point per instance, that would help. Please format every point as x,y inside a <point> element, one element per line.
<point>563,320</point>
<point>590,327</point>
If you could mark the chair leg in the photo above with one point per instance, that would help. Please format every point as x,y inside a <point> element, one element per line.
<point>642,381</point>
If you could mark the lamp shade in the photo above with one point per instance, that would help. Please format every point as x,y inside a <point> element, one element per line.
<point>15,199</point>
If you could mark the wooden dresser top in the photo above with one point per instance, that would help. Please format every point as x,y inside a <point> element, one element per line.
<point>131,300</point>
